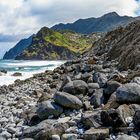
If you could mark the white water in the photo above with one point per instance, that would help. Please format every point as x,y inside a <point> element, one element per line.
<point>27,68</point>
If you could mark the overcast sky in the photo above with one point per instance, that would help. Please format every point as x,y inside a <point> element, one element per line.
<point>21,18</point>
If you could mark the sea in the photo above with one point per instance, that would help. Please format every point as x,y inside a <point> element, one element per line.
<point>27,68</point>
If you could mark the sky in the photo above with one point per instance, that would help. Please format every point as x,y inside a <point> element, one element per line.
<point>21,18</point>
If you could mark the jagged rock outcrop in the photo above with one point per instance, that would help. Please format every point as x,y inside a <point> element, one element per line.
<point>122,44</point>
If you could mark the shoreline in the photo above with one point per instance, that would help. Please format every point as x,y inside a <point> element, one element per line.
<point>70,102</point>
<point>25,69</point>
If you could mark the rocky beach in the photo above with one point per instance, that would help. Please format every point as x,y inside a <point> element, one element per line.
<point>71,81</point>
<point>83,99</point>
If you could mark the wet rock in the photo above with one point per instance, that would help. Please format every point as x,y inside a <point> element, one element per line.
<point>100,78</point>
<point>3,71</point>
<point>96,134</point>
<point>76,87</point>
<point>67,100</point>
<point>2,74</point>
<point>47,108</point>
<point>17,74</point>
<point>128,93</point>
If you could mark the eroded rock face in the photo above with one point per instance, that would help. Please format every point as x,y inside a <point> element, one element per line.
<point>67,100</point>
<point>76,87</point>
<point>128,93</point>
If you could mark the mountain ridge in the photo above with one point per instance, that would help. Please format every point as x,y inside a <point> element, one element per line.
<point>18,48</point>
<point>105,23</point>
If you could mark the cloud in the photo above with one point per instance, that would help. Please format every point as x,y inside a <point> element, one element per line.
<point>20,18</point>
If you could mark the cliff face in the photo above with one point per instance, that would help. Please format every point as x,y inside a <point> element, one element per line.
<point>105,23</point>
<point>52,45</point>
<point>18,48</point>
<point>122,44</point>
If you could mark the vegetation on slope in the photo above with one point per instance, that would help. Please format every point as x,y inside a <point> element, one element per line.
<point>50,44</point>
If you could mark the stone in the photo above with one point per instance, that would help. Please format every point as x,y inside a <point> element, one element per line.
<point>91,119</point>
<point>86,76</point>
<point>17,74</point>
<point>67,100</point>
<point>111,103</point>
<point>100,78</point>
<point>2,74</point>
<point>76,87</point>
<point>126,137</point>
<point>111,118</point>
<point>69,137</point>
<point>134,108</point>
<point>11,130</point>
<point>128,93</point>
<point>87,68</point>
<point>38,93</point>
<point>92,87</point>
<point>6,134</point>
<point>47,108</point>
<point>136,80</point>
<point>111,87</point>
<point>2,138</point>
<point>125,114</point>
<point>55,137</point>
<point>136,120</point>
<point>45,130</point>
<point>66,80</point>
<point>97,99</point>
<point>3,120</point>
<point>87,105</point>
<point>96,134</point>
